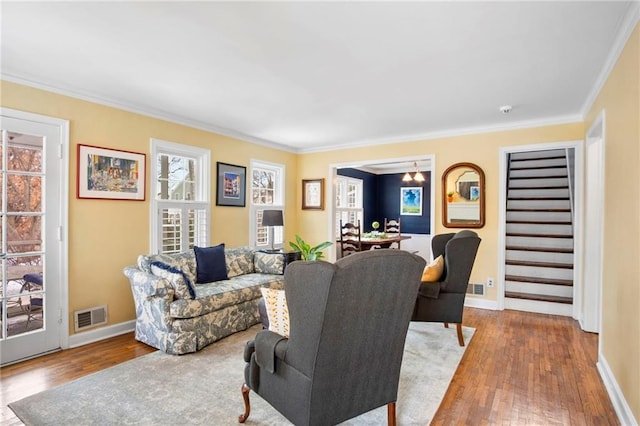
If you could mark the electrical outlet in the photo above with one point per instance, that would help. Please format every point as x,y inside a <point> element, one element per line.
<point>490,282</point>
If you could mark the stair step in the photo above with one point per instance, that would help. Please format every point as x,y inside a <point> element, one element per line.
<point>522,234</point>
<point>543,198</point>
<point>554,157</point>
<point>545,249</point>
<point>538,297</point>
<point>536,177</point>
<point>564,166</point>
<point>531,209</point>
<point>539,188</point>
<point>540,264</point>
<point>539,222</point>
<point>538,280</point>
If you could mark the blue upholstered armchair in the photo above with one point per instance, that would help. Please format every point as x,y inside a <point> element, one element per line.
<point>348,324</point>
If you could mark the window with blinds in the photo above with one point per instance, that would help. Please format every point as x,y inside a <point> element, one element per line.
<point>181,203</point>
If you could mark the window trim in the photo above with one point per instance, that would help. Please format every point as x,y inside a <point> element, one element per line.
<point>203,192</point>
<point>279,202</point>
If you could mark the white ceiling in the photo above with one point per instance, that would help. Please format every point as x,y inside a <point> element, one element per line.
<point>311,76</point>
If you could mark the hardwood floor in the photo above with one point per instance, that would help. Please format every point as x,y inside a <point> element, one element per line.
<point>518,369</point>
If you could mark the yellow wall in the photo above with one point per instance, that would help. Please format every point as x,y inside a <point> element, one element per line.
<point>481,149</point>
<point>620,334</point>
<point>106,235</point>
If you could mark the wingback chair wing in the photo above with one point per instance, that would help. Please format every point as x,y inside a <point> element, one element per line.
<point>348,324</point>
<point>443,301</point>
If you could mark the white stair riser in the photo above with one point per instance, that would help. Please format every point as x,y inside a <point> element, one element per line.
<point>565,243</point>
<point>538,204</point>
<point>540,256</point>
<point>537,154</point>
<point>539,193</point>
<point>539,272</point>
<point>562,309</point>
<point>543,289</point>
<point>538,162</point>
<point>539,229</point>
<point>540,216</point>
<point>538,172</point>
<point>524,183</point>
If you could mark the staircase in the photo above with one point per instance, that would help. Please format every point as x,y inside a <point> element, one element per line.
<point>539,233</point>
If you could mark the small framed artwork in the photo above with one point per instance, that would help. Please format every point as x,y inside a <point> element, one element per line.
<point>474,193</point>
<point>313,194</point>
<point>411,201</point>
<point>110,174</point>
<point>231,185</point>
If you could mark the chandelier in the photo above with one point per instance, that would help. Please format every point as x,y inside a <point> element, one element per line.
<point>417,176</point>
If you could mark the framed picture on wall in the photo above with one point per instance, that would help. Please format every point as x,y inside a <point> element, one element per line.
<point>313,194</point>
<point>110,174</point>
<point>411,201</point>
<point>230,190</point>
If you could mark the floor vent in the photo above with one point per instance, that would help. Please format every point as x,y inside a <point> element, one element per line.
<point>90,317</point>
<point>475,289</point>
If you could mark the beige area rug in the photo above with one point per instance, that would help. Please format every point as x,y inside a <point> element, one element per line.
<point>204,387</point>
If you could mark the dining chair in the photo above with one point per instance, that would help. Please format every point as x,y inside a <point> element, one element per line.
<point>392,227</point>
<point>350,238</point>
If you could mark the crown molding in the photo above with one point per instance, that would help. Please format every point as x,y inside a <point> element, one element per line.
<point>147,112</point>
<point>551,121</point>
<point>627,26</point>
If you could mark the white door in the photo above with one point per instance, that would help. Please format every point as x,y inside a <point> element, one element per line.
<point>33,190</point>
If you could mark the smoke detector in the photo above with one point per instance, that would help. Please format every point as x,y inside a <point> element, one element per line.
<point>506,109</point>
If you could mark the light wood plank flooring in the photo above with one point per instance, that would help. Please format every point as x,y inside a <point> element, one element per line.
<point>518,369</point>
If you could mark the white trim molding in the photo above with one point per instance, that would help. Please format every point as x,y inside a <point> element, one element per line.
<point>476,302</point>
<point>625,415</point>
<point>84,338</point>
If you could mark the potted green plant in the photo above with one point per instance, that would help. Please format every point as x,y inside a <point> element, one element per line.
<point>306,251</point>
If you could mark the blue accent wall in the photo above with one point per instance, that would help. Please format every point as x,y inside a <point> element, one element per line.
<point>381,198</point>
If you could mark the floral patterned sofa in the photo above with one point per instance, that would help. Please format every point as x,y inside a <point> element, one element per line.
<point>177,315</point>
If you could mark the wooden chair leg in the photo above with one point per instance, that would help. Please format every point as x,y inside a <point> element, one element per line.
<point>460,338</point>
<point>391,414</point>
<point>446,325</point>
<point>247,407</point>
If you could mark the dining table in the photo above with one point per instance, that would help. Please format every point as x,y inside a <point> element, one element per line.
<point>382,241</point>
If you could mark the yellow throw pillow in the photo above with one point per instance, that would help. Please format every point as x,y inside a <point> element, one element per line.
<point>433,271</point>
<point>277,311</point>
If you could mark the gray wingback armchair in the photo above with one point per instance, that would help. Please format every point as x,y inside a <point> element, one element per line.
<point>443,301</point>
<point>348,324</point>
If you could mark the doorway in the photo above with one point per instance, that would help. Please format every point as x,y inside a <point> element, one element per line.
<point>34,191</point>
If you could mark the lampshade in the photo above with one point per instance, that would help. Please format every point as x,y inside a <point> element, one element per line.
<point>272,218</point>
<point>418,177</point>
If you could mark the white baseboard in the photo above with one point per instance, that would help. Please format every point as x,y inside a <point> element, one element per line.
<point>475,302</point>
<point>615,394</point>
<point>86,337</point>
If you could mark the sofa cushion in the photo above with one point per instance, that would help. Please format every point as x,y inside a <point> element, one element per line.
<point>218,295</point>
<point>182,286</point>
<point>239,261</point>
<point>185,261</point>
<point>210,264</point>
<point>268,263</point>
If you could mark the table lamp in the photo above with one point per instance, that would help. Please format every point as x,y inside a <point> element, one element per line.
<point>271,218</point>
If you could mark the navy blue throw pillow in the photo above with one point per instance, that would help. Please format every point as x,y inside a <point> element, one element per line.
<point>210,264</point>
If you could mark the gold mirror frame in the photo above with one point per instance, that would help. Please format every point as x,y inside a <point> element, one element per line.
<point>465,208</point>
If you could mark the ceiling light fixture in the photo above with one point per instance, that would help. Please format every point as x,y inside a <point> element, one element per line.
<point>418,177</point>
<point>506,109</point>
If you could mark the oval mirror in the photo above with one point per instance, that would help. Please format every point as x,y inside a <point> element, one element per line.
<point>463,196</point>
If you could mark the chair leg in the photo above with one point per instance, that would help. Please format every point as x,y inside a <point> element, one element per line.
<point>247,407</point>
<point>446,325</point>
<point>460,338</point>
<point>391,414</point>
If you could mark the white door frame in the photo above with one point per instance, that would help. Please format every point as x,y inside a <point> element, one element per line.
<point>578,214</point>
<point>591,306</point>
<point>62,130</point>
<point>332,173</point>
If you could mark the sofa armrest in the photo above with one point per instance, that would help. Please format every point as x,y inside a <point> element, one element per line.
<point>148,284</point>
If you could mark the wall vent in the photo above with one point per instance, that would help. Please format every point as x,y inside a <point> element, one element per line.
<point>90,317</point>
<point>475,289</point>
